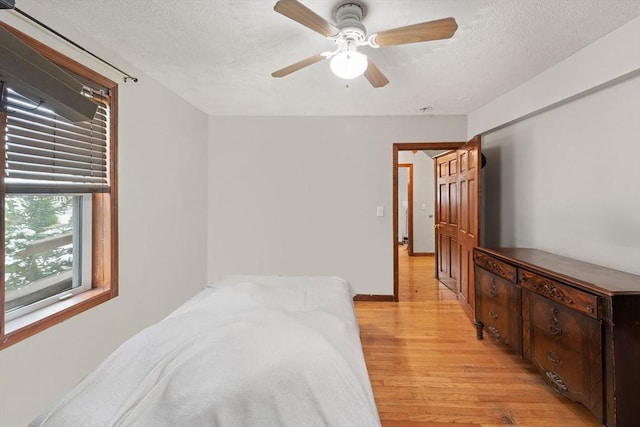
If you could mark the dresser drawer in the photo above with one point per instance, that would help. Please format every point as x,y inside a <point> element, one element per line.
<point>495,266</point>
<point>498,322</point>
<point>494,287</point>
<point>573,298</point>
<point>562,367</point>
<point>565,347</point>
<point>570,373</point>
<point>567,327</point>
<point>556,322</point>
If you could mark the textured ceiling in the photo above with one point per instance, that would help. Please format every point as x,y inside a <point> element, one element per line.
<point>218,54</point>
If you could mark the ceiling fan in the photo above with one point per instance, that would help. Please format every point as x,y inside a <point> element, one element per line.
<point>348,33</point>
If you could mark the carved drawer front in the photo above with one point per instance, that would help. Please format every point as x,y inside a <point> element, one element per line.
<point>495,266</point>
<point>576,299</point>
<point>561,367</point>
<point>496,319</point>
<point>566,349</point>
<point>494,287</point>
<point>570,373</point>
<point>552,319</point>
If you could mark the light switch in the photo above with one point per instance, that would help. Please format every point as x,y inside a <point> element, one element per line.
<point>424,206</point>
<point>379,211</point>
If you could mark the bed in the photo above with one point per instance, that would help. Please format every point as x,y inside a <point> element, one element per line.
<point>246,351</point>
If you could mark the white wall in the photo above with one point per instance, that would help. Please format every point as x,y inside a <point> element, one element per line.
<point>568,180</point>
<point>562,154</point>
<point>298,195</point>
<point>162,209</point>
<point>423,195</point>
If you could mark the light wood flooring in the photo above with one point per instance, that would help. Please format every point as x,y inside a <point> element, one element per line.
<point>428,369</point>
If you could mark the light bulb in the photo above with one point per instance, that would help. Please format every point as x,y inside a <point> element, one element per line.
<point>349,64</point>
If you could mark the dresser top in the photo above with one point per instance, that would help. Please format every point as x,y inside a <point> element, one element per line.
<point>590,276</point>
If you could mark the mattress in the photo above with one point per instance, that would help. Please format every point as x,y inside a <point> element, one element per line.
<point>246,351</point>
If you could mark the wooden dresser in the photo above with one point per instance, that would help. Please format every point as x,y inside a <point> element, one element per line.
<point>578,323</point>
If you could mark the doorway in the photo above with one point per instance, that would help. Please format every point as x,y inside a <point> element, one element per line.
<point>405,206</point>
<point>397,211</point>
<point>462,190</point>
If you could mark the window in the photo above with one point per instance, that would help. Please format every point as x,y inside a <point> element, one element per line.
<point>59,216</point>
<point>47,250</point>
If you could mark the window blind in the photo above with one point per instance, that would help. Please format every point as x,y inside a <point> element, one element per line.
<point>25,70</point>
<point>46,152</point>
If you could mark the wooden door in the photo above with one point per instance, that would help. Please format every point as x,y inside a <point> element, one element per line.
<point>446,171</point>
<point>469,163</point>
<point>409,146</point>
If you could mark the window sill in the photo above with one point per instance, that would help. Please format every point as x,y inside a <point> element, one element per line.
<point>30,324</point>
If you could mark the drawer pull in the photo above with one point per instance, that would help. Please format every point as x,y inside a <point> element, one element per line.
<point>556,382</point>
<point>552,356</point>
<point>495,333</point>
<point>555,329</point>
<point>493,314</point>
<point>554,326</point>
<point>493,291</point>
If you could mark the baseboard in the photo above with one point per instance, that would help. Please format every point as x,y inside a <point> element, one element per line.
<point>364,297</point>
<point>423,254</point>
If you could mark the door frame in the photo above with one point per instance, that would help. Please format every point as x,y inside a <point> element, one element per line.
<point>408,146</point>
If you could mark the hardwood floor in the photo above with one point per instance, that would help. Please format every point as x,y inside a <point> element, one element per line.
<point>428,369</point>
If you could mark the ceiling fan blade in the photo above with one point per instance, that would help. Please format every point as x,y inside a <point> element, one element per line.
<point>300,13</point>
<point>298,65</point>
<point>375,76</point>
<point>426,31</point>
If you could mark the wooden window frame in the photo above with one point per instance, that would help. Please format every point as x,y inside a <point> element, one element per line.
<point>104,283</point>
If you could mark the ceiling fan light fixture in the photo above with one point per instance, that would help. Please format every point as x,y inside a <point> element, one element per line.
<point>349,64</point>
<point>348,33</point>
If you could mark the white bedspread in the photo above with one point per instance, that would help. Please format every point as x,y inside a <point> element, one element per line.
<point>246,351</point>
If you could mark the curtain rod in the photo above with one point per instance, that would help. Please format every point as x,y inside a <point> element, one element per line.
<point>127,76</point>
